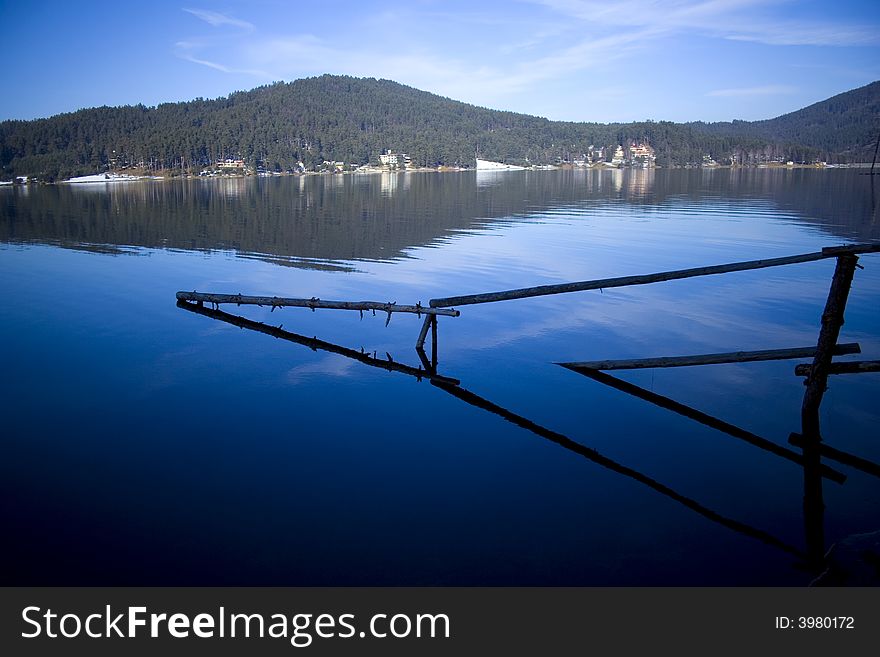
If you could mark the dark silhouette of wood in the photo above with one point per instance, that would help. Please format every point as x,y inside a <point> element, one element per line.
<point>828,452</point>
<point>315,344</point>
<point>594,456</point>
<point>452,386</point>
<point>814,508</point>
<point>706,419</point>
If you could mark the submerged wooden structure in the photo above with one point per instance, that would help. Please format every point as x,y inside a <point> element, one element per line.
<point>816,373</point>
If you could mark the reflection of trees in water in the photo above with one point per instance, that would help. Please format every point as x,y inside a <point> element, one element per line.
<point>320,217</point>
<point>380,216</point>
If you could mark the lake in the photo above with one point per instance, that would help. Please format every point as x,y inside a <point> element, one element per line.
<point>146,444</point>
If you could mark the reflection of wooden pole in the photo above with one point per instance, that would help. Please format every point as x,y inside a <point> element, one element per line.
<point>709,359</point>
<point>705,418</point>
<point>594,456</point>
<point>423,357</point>
<point>315,344</point>
<point>814,507</point>
<point>846,458</point>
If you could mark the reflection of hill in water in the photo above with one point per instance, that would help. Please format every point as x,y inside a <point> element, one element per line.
<point>840,201</point>
<point>304,221</point>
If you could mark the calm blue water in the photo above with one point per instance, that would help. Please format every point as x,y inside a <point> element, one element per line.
<point>144,444</point>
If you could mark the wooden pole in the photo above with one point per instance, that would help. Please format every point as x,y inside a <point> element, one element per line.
<point>708,359</point>
<point>594,456</point>
<point>624,281</point>
<point>706,419</point>
<point>316,344</point>
<point>832,320</point>
<point>816,383</point>
<point>423,333</point>
<point>854,367</point>
<point>279,302</point>
<point>434,341</point>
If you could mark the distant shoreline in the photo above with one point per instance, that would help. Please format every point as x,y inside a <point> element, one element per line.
<point>113,177</point>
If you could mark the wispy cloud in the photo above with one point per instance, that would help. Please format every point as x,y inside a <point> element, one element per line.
<point>307,54</point>
<point>226,69</point>
<point>587,53</point>
<point>185,50</point>
<point>500,59</point>
<point>741,20</point>
<point>450,76</point>
<point>662,15</point>
<point>191,49</point>
<point>487,73</point>
<point>216,19</point>
<point>765,90</point>
<point>806,34</point>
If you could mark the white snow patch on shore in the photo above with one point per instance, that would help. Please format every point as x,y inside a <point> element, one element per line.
<point>103,178</point>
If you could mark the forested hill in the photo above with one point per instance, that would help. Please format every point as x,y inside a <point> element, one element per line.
<point>353,120</point>
<point>845,126</point>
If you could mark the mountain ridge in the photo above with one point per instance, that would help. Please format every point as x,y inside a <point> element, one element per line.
<point>835,122</point>
<point>353,120</point>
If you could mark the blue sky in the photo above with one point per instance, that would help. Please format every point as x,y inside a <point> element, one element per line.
<point>578,60</point>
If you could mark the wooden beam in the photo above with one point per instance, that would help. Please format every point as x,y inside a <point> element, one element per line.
<point>851,249</point>
<point>854,367</point>
<point>624,281</point>
<point>709,359</point>
<point>706,419</point>
<point>279,302</point>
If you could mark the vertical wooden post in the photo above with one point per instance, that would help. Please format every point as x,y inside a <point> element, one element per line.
<point>423,333</point>
<point>832,320</point>
<point>434,342</point>
<point>816,383</point>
